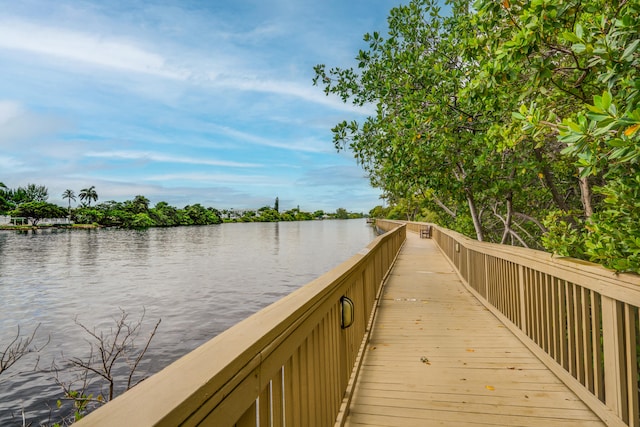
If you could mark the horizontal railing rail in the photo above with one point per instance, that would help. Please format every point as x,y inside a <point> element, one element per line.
<point>579,318</point>
<point>289,364</point>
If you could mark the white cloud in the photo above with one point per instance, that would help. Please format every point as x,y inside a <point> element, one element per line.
<point>167,158</point>
<point>125,54</point>
<point>216,178</point>
<point>8,111</point>
<point>17,124</point>
<point>11,165</point>
<point>307,145</point>
<point>84,47</point>
<point>305,92</point>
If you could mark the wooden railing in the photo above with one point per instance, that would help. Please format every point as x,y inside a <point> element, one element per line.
<point>580,319</point>
<point>288,364</point>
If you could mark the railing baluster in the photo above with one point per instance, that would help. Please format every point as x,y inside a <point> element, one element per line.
<point>555,319</point>
<point>580,348</point>
<point>524,325</point>
<point>631,380</point>
<point>277,399</point>
<point>596,334</point>
<point>248,419</point>
<point>264,407</point>
<point>614,354</point>
<point>586,338</point>
<point>546,313</point>
<point>563,325</point>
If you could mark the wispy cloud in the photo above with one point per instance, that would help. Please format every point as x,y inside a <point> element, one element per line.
<point>219,179</point>
<point>84,47</point>
<point>167,158</point>
<point>126,55</point>
<point>18,124</point>
<point>305,144</point>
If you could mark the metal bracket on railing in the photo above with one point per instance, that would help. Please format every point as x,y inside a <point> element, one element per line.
<point>347,312</point>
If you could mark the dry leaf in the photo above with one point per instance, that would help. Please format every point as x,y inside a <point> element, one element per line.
<point>470,350</point>
<point>631,130</point>
<point>490,387</point>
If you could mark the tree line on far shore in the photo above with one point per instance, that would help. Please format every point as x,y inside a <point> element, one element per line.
<point>31,202</point>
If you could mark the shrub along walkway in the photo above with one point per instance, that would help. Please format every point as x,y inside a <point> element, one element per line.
<point>437,356</point>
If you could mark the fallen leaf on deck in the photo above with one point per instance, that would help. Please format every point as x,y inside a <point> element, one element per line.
<point>470,350</point>
<point>490,387</point>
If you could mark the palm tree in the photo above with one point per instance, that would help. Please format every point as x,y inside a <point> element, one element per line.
<point>70,195</point>
<point>89,194</point>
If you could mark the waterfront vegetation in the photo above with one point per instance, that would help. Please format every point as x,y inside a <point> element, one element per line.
<point>31,203</point>
<point>514,122</point>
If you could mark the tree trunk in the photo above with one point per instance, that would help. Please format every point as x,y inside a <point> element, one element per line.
<point>585,196</point>
<point>444,207</point>
<point>509,217</point>
<point>474,215</point>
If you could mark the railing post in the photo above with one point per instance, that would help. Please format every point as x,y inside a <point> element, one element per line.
<point>523,300</point>
<point>613,343</point>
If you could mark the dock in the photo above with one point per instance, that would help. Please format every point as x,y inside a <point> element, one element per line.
<point>437,356</point>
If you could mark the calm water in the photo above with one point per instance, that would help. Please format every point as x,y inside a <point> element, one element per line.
<point>198,280</point>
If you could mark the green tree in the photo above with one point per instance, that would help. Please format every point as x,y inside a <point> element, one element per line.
<point>141,220</point>
<point>165,215</point>
<point>88,194</point>
<point>139,204</point>
<point>36,211</point>
<point>30,193</point>
<point>378,212</point>
<point>69,195</point>
<point>5,205</point>
<point>341,213</point>
<point>444,130</point>
<point>199,215</point>
<point>583,98</point>
<point>87,215</point>
<point>267,214</point>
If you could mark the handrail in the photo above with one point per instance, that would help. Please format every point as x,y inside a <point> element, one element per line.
<point>289,364</point>
<point>579,318</point>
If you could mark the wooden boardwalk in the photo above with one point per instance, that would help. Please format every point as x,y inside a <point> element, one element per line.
<point>437,356</point>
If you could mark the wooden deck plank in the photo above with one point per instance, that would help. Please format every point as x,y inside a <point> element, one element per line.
<point>437,356</point>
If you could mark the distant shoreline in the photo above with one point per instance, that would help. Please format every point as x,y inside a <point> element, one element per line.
<point>25,227</point>
<point>47,226</point>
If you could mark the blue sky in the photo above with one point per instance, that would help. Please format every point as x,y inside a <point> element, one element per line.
<point>182,101</point>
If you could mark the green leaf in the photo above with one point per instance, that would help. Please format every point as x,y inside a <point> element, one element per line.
<point>571,37</point>
<point>628,52</point>
<point>575,127</point>
<point>606,100</point>
<point>595,109</point>
<point>571,138</point>
<point>579,47</point>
